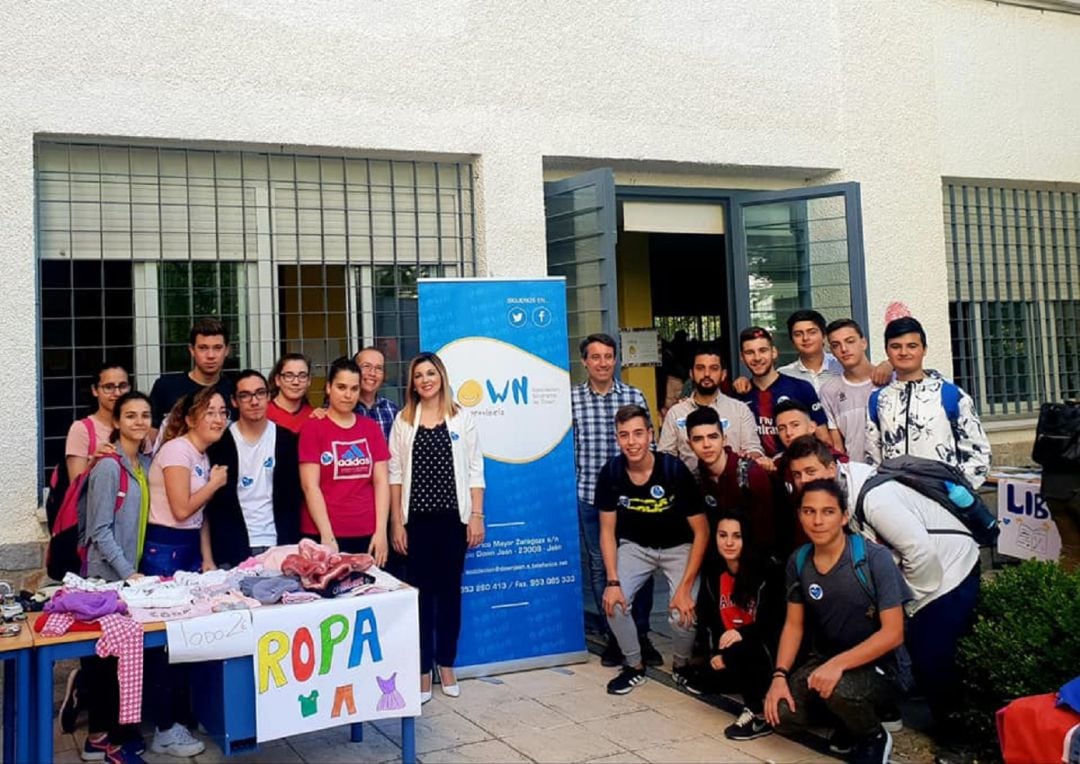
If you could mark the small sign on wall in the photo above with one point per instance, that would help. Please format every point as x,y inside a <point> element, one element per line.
<point>640,347</point>
<point>1028,531</point>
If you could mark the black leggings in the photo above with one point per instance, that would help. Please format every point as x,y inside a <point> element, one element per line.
<point>102,694</point>
<point>437,545</point>
<point>747,671</point>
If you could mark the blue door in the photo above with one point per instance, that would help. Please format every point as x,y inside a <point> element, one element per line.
<point>580,217</point>
<point>799,248</point>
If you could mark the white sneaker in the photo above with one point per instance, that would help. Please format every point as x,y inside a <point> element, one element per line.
<point>176,741</point>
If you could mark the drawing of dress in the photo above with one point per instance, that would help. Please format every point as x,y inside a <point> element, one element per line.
<point>391,699</point>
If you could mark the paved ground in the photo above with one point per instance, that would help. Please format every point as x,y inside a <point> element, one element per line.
<point>547,715</point>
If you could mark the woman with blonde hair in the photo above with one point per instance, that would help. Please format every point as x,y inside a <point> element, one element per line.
<point>436,509</point>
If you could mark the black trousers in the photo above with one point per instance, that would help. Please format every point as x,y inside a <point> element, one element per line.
<point>103,694</point>
<point>747,671</point>
<point>437,545</point>
<point>166,689</point>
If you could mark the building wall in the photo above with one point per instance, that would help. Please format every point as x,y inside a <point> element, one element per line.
<point>893,95</point>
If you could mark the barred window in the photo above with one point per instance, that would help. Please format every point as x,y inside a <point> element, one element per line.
<point>1013,253</point>
<point>295,252</point>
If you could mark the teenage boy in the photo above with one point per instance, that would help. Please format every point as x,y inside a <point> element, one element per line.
<point>937,556</point>
<point>651,519</point>
<point>922,414</point>
<point>259,506</point>
<point>372,365</point>
<point>806,330</point>
<point>844,398</point>
<point>593,404</point>
<point>769,388</point>
<point>208,344</point>
<point>730,481</point>
<point>847,598</point>
<point>737,422</point>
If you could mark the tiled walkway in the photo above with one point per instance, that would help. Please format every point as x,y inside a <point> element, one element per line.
<point>547,715</point>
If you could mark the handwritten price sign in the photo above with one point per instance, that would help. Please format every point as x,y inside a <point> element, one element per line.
<point>211,637</point>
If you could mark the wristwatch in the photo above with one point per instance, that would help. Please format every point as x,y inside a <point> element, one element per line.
<point>614,582</point>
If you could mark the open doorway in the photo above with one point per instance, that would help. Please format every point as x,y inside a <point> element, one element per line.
<point>674,280</point>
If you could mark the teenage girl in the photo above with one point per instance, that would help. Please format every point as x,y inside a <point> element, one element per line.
<point>290,380</point>
<point>437,509</point>
<point>343,471</point>
<point>114,540</point>
<point>181,482</point>
<point>744,616</point>
<point>110,382</point>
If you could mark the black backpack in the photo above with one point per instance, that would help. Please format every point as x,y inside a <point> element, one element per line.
<point>1057,449</point>
<point>943,483</point>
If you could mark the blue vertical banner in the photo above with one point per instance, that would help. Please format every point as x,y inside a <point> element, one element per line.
<point>504,343</point>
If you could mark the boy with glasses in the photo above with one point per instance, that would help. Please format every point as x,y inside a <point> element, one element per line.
<point>259,505</point>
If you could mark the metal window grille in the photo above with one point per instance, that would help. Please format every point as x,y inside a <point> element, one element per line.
<point>1013,253</point>
<point>311,253</point>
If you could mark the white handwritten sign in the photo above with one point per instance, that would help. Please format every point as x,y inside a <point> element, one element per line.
<point>1027,529</point>
<point>210,637</point>
<point>336,661</point>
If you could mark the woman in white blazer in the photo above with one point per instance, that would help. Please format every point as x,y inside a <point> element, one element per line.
<point>436,509</point>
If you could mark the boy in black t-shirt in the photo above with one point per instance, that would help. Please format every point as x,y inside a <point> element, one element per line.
<point>847,596</point>
<point>651,518</point>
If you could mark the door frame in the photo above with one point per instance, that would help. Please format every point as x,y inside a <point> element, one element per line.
<point>737,267</point>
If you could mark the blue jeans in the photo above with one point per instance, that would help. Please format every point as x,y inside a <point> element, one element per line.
<point>932,635</point>
<point>168,550</point>
<point>589,525</point>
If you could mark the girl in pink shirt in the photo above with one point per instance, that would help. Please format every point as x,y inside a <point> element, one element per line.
<point>109,384</point>
<point>181,482</point>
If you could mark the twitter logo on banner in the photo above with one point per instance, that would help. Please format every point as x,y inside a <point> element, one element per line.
<point>517,317</point>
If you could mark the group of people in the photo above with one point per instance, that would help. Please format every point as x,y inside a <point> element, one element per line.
<point>780,591</point>
<point>219,469</point>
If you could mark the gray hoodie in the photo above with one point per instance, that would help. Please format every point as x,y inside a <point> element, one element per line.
<point>112,535</point>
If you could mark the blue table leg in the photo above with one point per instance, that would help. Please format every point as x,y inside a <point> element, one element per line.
<point>43,720</point>
<point>9,710</point>
<point>23,738</point>
<point>408,740</point>
<point>356,732</point>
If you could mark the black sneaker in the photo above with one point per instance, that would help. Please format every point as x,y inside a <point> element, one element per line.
<point>628,679</point>
<point>612,655</point>
<point>69,707</point>
<point>874,749</point>
<point>687,678</point>
<point>840,741</point>
<point>650,656</point>
<point>748,727</point>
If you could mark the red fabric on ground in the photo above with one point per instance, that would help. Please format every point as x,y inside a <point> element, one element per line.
<point>1032,730</point>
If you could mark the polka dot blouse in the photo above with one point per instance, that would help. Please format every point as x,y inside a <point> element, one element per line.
<point>433,489</point>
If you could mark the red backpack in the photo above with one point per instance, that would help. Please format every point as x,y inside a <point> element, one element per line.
<point>67,514</point>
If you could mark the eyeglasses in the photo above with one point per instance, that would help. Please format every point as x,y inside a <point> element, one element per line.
<point>372,367</point>
<point>257,395</point>
<point>112,387</point>
<point>295,376</point>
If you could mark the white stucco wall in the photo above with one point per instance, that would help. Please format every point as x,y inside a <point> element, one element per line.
<point>893,95</point>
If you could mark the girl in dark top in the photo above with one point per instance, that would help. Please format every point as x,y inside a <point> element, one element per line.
<point>744,615</point>
<point>436,509</point>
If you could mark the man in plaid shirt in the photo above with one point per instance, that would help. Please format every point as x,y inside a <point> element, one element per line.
<point>372,365</point>
<point>594,403</point>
